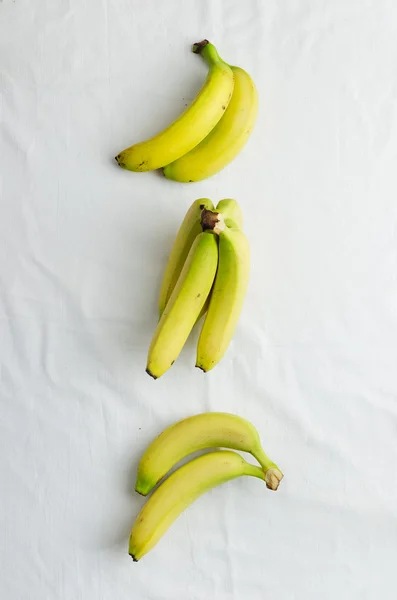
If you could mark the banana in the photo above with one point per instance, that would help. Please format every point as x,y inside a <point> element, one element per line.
<point>179,491</point>
<point>186,235</point>
<point>192,125</point>
<point>228,293</point>
<point>231,211</point>
<point>183,308</point>
<point>206,430</point>
<point>227,138</point>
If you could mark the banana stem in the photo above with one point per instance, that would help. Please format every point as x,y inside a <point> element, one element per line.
<point>212,220</point>
<point>254,471</point>
<point>272,474</point>
<point>207,51</point>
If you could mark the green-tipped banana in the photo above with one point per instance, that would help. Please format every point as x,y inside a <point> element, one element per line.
<point>231,211</point>
<point>185,304</point>
<point>193,124</point>
<point>188,231</point>
<point>206,430</point>
<point>227,296</point>
<point>227,138</point>
<point>179,491</point>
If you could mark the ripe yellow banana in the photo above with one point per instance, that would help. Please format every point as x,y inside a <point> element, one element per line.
<point>188,231</point>
<point>192,125</point>
<point>227,138</point>
<point>206,430</point>
<point>179,491</point>
<point>231,211</point>
<point>228,293</point>
<point>183,308</point>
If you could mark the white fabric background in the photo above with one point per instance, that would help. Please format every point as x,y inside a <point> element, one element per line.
<point>82,248</point>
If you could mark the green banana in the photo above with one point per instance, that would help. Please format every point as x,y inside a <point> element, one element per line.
<point>192,125</point>
<point>188,231</point>
<point>206,430</point>
<point>179,491</point>
<point>227,138</point>
<point>185,304</point>
<point>231,211</point>
<point>228,293</point>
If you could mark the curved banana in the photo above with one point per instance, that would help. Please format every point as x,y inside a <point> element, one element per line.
<point>227,296</point>
<point>206,430</point>
<point>192,125</point>
<point>179,491</point>
<point>227,138</point>
<point>188,231</point>
<point>231,211</point>
<point>184,306</point>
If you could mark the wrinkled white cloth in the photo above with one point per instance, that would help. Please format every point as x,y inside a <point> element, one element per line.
<point>83,246</point>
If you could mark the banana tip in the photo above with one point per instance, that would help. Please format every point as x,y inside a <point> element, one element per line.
<point>133,557</point>
<point>118,160</point>
<point>148,371</point>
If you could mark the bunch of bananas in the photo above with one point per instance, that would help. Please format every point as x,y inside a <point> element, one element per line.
<point>209,134</point>
<point>189,482</point>
<point>207,272</point>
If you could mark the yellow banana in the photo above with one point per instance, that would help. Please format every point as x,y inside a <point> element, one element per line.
<point>233,217</point>
<point>179,491</point>
<point>206,430</point>
<point>227,138</point>
<point>227,296</point>
<point>231,211</point>
<point>188,231</point>
<point>184,306</point>
<point>192,125</point>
